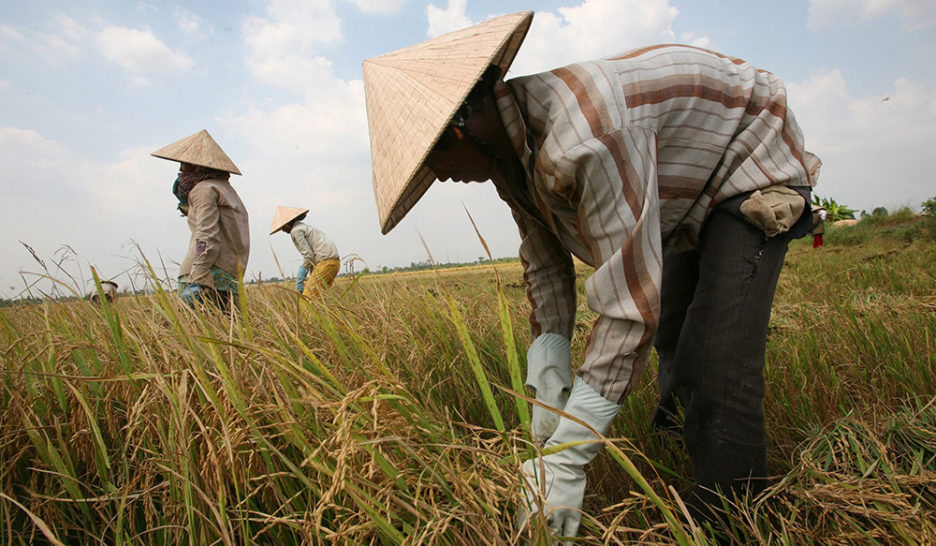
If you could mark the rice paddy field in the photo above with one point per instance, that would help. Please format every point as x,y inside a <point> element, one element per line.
<point>392,412</point>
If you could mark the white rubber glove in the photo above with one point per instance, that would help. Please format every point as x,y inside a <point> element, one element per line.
<point>549,375</point>
<point>558,479</point>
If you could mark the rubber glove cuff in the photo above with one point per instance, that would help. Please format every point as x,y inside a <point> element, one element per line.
<point>549,375</point>
<point>555,483</point>
<point>301,276</point>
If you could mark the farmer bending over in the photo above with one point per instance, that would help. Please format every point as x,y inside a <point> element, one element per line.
<point>678,173</point>
<point>320,257</point>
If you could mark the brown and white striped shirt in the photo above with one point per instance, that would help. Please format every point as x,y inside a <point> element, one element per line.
<point>625,158</point>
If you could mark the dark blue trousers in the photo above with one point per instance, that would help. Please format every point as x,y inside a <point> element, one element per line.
<point>711,340</point>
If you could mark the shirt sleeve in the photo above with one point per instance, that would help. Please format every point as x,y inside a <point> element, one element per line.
<point>203,207</point>
<point>616,175</point>
<point>550,279</point>
<point>301,241</point>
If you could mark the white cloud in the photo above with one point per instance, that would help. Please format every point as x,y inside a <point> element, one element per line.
<point>915,13</point>
<point>326,125</point>
<point>94,208</point>
<point>590,30</point>
<point>379,7</point>
<point>29,157</point>
<point>446,20</point>
<point>875,150</point>
<point>146,7</point>
<point>139,51</point>
<point>56,48</point>
<point>191,24</point>
<point>69,29</point>
<point>297,73</point>
<point>59,49</point>
<point>282,46</point>
<point>292,26</point>
<point>25,154</point>
<point>690,38</point>
<point>593,29</point>
<point>9,34</point>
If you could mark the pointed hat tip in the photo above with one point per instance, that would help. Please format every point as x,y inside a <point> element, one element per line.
<point>198,149</point>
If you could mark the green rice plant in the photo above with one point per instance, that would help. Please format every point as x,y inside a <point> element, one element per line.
<point>392,410</point>
<point>867,484</point>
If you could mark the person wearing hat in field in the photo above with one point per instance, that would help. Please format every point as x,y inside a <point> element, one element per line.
<point>818,225</point>
<point>665,151</point>
<point>108,288</point>
<point>220,242</point>
<point>320,258</point>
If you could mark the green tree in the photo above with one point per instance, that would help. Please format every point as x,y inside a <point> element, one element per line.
<point>834,211</point>
<point>929,206</point>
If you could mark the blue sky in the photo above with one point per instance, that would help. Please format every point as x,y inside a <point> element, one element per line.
<point>88,90</point>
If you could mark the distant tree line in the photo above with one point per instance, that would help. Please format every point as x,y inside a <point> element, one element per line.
<point>425,265</point>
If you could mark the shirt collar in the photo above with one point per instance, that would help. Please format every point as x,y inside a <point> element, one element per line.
<point>512,118</point>
<point>518,193</point>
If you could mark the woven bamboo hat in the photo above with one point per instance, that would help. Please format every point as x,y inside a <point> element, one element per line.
<point>412,94</point>
<point>198,149</point>
<point>283,216</point>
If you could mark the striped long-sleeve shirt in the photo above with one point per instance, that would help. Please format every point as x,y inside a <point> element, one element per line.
<point>625,157</point>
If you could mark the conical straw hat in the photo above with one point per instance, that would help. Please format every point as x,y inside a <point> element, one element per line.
<point>198,149</point>
<point>283,216</point>
<point>411,95</point>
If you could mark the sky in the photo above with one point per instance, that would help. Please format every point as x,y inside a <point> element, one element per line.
<point>89,89</point>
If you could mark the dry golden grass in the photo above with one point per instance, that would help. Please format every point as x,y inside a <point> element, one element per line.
<point>385,414</point>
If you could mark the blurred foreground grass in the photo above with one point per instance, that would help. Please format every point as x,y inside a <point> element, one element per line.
<point>386,415</point>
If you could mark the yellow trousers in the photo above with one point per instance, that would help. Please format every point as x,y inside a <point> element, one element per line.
<point>322,276</point>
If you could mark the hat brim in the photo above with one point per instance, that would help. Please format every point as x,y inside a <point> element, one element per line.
<point>284,215</point>
<point>198,149</point>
